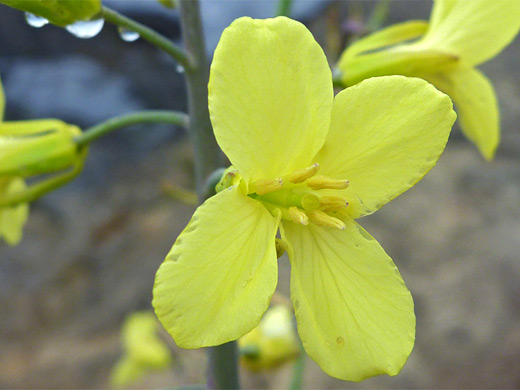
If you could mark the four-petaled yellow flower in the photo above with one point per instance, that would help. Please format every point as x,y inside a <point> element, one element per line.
<point>308,165</point>
<point>461,34</point>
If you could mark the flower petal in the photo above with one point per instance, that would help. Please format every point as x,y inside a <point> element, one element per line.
<point>354,313</point>
<point>12,219</point>
<point>386,134</point>
<point>476,104</point>
<point>270,96</point>
<point>476,30</point>
<point>220,274</point>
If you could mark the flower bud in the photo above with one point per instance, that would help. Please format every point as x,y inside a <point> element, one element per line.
<point>58,12</point>
<point>30,148</point>
<point>12,219</point>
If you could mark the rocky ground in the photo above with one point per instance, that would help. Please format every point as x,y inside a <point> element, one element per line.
<point>90,250</point>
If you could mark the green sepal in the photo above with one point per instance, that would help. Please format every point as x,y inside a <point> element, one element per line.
<point>402,60</point>
<point>58,12</point>
<point>389,36</point>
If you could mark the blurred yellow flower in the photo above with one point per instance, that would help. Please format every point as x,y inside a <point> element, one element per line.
<point>274,114</point>
<point>144,351</point>
<point>461,34</point>
<point>271,343</point>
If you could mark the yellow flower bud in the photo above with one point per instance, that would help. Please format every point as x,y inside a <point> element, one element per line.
<point>30,148</point>
<point>58,12</point>
<point>12,219</point>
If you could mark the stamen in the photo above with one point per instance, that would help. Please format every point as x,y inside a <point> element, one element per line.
<point>262,187</point>
<point>321,219</point>
<point>298,216</point>
<point>321,182</point>
<point>301,175</point>
<point>328,203</point>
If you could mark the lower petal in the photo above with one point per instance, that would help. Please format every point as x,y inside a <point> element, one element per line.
<point>220,274</point>
<point>355,314</point>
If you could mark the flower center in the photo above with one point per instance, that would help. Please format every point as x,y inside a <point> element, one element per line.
<point>297,197</point>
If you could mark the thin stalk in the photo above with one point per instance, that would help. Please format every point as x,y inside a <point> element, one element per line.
<point>146,33</point>
<point>223,366</point>
<point>284,8</point>
<point>151,116</point>
<point>299,366</point>
<point>38,190</point>
<point>206,151</point>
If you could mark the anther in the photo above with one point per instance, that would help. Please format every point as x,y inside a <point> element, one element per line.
<point>328,203</point>
<point>321,219</point>
<point>321,182</point>
<point>298,216</point>
<point>301,175</point>
<point>262,187</point>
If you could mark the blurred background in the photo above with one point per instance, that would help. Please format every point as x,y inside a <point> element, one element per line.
<point>90,250</point>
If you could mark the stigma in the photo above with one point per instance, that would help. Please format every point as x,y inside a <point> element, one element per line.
<point>297,197</point>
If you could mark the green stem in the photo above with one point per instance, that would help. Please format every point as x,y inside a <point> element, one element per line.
<point>149,35</point>
<point>223,366</point>
<point>284,8</point>
<point>299,365</point>
<point>38,190</point>
<point>155,116</point>
<point>206,151</point>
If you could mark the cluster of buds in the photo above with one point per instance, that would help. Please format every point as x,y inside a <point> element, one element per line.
<point>31,149</point>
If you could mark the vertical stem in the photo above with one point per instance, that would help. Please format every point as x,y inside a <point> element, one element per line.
<point>223,368</point>
<point>284,8</point>
<point>206,151</point>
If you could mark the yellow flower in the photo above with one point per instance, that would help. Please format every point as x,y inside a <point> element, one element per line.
<point>274,114</point>
<point>272,343</point>
<point>461,35</point>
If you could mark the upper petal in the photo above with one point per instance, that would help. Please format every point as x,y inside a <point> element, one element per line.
<point>220,274</point>
<point>270,96</point>
<point>354,313</point>
<point>476,30</point>
<point>476,103</point>
<point>386,134</point>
